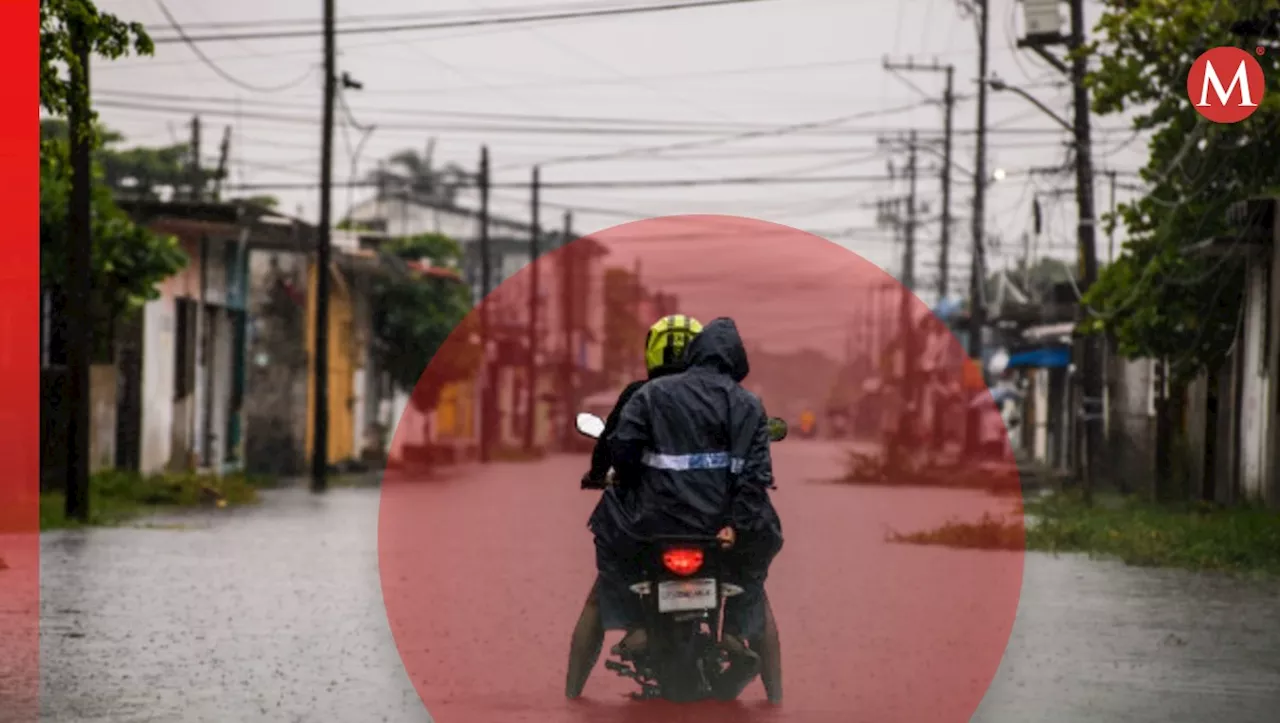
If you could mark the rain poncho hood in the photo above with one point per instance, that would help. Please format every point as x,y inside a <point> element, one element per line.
<point>720,347</point>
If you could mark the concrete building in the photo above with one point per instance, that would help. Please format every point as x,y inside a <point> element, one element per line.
<point>569,319</point>
<point>185,391</point>
<point>1231,427</point>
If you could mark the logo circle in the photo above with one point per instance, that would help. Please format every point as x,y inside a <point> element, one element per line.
<point>1226,85</point>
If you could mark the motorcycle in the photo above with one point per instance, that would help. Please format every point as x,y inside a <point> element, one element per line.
<point>683,594</point>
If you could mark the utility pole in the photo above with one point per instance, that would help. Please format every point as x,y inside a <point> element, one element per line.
<point>1111,234</point>
<point>948,102</point>
<point>909,250</point>
<point>944,253</point>
<point>1091,402</point>
<point>906,322</point>
<point>320,422</point>
<point>889,213</point>
<point>977,307</point>
<point>224,155</point>
<point>532,374</point>
<point>197,183</point>
<point>486,274</point>
<point>568,388</point>
<point>637,302</point>
<point>79,282</point>
<point>977,315</point>
<point>1044,22</point>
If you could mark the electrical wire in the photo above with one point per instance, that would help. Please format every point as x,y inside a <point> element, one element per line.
<point>366,132</point>
<point>637,130</point>
<point>647,183</point>
<point>751,135</point>
<point>709,126</point>
<point>478,22</point>
<point>381,18</point>
<point>182,35</point>
<point>822,127</point>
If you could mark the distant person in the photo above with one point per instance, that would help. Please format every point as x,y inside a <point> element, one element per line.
<point>807,423</point>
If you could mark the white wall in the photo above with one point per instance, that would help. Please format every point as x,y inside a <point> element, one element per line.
<point>407,219</point>
<point>222,369</point>
<point>1255,391</point>
<point>1040,442</point>
<point>158,347</point>
<point>162,419</point>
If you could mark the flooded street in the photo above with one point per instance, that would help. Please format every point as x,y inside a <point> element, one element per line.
<point>271,613</point>
<point>275,613</point>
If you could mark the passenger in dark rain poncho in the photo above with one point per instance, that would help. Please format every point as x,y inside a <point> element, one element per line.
<point>691,450</point>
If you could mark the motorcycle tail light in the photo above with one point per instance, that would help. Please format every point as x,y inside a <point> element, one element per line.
<point>682,562</point>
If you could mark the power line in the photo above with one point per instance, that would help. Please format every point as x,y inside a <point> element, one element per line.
<point>569,130</point>
<point>377,18</point>
<point>182,35</point>
<point>413,27</point>
<point>633,184</point>
<point>750,135</point>
<point>710,126</point>
<point>584,129</point>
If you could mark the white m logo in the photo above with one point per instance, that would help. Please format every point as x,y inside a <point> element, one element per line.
<point>1241,78</point>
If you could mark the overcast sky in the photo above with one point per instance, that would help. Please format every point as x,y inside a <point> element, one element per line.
<point>704,73</point>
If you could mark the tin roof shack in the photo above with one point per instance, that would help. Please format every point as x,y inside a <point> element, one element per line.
<point>1035,330</point>
<point>187,392</point>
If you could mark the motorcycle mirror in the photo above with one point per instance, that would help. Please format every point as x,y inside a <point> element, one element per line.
<point>589,425</point>
<point>777,429</point>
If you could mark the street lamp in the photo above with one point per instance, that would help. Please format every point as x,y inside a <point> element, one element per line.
<point>1001,86</point>
<point>1089,353</point>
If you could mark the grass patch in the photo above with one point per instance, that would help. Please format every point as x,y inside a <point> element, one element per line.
<point>117,496</point>
<point>873,471</point>
<point>988,533</point>
<point>1191,536</point>
<point>355,480</point>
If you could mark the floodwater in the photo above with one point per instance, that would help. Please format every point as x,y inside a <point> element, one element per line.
<point>275,613</point>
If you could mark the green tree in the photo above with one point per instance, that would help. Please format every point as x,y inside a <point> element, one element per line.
<point>107,35</point>
<point>416,312</point>
<point>128,260</point>
<point>1155,300</point>
<point>140,172</point>
<point>412,173</point>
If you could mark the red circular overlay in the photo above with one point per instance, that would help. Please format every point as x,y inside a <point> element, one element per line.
<point>1226,84</point>
<point>485,568</point>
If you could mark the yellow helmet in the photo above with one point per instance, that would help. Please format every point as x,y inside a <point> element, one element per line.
<point>668,339</point>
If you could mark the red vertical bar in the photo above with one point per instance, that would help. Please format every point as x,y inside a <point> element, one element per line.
<point>20,367</point>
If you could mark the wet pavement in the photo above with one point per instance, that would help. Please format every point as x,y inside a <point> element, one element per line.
<point>275,613</point>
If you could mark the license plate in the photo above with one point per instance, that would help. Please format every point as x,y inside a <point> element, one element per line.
<point>680,595</point>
